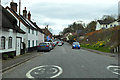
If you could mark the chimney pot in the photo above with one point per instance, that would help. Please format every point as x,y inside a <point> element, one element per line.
<point>29,16</point>
<point>25,12</point>
<point>13,6</point>
<point>25,8</point>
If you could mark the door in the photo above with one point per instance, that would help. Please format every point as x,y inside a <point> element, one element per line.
<point>18,49</point>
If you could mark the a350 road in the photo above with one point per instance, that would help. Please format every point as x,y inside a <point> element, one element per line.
<point>65,62</point>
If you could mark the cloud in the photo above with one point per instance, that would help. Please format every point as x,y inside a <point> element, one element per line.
<point>60,13</point>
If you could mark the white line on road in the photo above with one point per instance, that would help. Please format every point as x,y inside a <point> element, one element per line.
<point>115,69</point>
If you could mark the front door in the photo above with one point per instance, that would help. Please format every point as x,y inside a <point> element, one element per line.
<point>18,49</point>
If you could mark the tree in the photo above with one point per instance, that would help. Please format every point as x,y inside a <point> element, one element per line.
<point>73,28</point>
<point>72,38</point>
<point>108,17</point>
<point>91,27</point>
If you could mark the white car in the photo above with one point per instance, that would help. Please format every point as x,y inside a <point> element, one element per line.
<point>60,44</point>
<point>49,45</point>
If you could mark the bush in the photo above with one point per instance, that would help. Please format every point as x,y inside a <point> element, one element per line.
<point>11,55</point>
<point>5,56</point>
<point>96,46</point>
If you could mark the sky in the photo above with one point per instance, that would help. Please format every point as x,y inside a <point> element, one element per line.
<point>58,14</point>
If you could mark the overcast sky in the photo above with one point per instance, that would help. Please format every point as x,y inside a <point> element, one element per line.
<point>60,13</point>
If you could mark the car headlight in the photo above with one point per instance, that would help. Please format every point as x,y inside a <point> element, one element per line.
<point>73,45</point>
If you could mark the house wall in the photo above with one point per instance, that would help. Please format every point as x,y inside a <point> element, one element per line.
<point>8,33</point>
<point>32,37</point>
<point>40,37</point>
<point>98,26</point>
<point>113,24</point>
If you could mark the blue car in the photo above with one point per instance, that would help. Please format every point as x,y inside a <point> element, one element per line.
<point>75,45</point>
<point>43,47</point>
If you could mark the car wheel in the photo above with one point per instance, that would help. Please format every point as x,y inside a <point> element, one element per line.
<point>37,50</point>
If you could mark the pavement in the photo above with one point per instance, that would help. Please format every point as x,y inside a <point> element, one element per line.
<point>10,63</point>
<point>116,55</point>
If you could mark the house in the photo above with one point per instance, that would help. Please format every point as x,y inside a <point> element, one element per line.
<point>32,35</point>
<point>10,37</point>
<point>105,24</point>
<point>41,34</point>
<point>66,36</point>
<point>47,33</point>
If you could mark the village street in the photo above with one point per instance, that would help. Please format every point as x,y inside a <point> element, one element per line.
<point>65,62</point>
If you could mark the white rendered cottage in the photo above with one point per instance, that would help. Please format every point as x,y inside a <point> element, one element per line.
<point>105,24</point>
<point>31,37</point>
<point>10,41</point>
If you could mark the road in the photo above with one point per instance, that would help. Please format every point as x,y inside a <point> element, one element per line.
<point>64,62</point>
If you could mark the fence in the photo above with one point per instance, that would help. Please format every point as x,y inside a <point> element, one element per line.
<point>116,49</point>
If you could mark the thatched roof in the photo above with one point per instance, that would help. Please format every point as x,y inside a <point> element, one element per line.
<point>9,21</point>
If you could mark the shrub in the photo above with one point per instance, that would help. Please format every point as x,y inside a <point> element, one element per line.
<point>5,56</point>
<point>11,55</point>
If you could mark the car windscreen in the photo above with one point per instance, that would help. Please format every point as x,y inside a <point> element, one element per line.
<point>76,43</point>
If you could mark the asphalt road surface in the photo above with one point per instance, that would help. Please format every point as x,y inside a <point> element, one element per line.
<point>65,62</point>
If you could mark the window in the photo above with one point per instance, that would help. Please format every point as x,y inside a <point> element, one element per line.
<point>10,43</point>
<point>33,43</point>
<point>29,30</point>
<point>28,43</point>
<point>36,42</point>
<point>106,26</point>
<point>32,31</point>
<point>36,33</point>
<point>2,42</point>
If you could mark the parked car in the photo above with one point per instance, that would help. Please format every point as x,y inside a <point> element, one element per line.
<point>60,44</point>
<point>43,47</point>
<point>75,45</point>
<point>50,45</point>
<point>53,45</point>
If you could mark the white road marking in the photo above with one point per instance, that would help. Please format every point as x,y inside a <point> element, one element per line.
<point>28,74</point>
<point>60,72</point>
<point>55,71</point>
<point>115,69</point>
<point>36,73</point>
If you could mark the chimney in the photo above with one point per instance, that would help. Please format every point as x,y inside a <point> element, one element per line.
<point>29,16</point>
<point>13,6</point>
<point>25,12</point>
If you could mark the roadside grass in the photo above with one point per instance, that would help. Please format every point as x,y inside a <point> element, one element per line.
<point>99,48</point>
